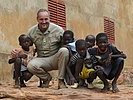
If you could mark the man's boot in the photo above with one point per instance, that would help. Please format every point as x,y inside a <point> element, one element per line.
<point>45,83</point>
<point>22,84</point>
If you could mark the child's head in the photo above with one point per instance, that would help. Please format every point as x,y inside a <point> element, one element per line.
<point>68,37</point>
<point>81,47</point>
<point>90,40</point>
<point>102,41</point>
<point>25,42</point>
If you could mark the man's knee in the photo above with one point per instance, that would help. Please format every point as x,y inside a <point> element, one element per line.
<point>31,66</point>
<point>64,51</point>
<point>27,75</point>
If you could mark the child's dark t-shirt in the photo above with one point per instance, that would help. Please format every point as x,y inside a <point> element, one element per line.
<point>104,56</point>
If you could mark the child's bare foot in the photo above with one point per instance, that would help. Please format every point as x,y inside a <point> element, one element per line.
<point>22,85</point>
<point>114,88</point>
<point>16,86</point>
<point>105,89</point>
<point>17,83</point>
<point>90,86</point>
<point>61,84</point>
<point>74,86</point>
<point>39,86</point>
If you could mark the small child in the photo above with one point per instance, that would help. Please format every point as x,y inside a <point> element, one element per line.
<point>20,57</point>
<point>90,43</point>
<point>80,59</point>
<point>110,62</point>
<point>90,40</point>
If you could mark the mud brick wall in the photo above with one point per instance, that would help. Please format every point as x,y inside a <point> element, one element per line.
<point>5,68</point>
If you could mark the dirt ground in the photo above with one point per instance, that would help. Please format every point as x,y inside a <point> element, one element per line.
<point>32,92</point>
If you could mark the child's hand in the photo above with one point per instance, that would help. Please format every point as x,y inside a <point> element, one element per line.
<point>98,67</point>
<point>95,59</point>
<point>87,61</point>
<point>15,52</point>
<point>12,60</point>
<point>123,55</point>
<point>72,81</point>
<point>23,56</point>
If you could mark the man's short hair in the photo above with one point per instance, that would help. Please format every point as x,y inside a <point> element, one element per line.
<point>42,10</point>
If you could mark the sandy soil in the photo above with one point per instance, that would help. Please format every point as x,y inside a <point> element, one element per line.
<point>32,92</point>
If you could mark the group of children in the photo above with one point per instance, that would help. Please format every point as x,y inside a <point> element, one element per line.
<point>89,61</point>
<point>86,61</point>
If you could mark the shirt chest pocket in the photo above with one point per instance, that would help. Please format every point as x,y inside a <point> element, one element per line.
<point>38,40</point>
<point>53,39</point>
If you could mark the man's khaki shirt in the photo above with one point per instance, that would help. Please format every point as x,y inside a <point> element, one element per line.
<point>47,43</point>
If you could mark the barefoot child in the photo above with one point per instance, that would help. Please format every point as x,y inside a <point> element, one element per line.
<point>69,42</point>
<point>110,62</point>
<point>90,40</point>
<point>80,59</point>
<point>20,58</point>
<point>90,43</point>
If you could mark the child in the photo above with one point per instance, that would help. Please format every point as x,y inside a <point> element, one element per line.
<point>68,42</point>
<point>80,59</point>
<point>90,40</point>
<point>110,61</point>
<point>20,59</point>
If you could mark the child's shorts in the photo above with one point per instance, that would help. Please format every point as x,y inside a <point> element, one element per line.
<point>85,72</point>
<point>23,68</point>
